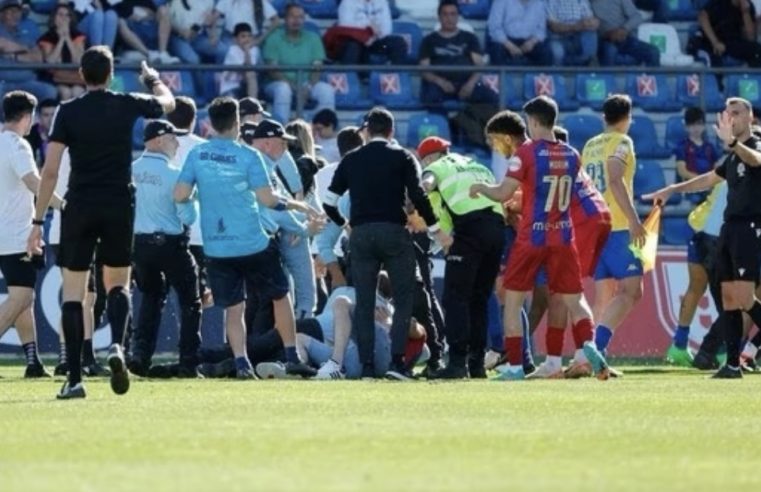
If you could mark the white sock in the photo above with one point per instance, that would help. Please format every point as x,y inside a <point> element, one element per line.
<point>554,361</point>
<point>579,357</point>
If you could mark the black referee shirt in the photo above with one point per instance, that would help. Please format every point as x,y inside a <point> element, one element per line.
<point>743,185</point>
<point>97,129</point>
<point>378,176</point>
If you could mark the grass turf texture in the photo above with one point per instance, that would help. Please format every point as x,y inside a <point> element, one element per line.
<point>656,429</point>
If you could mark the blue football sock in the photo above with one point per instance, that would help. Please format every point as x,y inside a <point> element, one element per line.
<point>291,355</point>
<point>681,337</point>
<point>242,363</point>
<point>603,334</point>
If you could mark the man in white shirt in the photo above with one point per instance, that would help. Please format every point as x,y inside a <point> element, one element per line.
<point>325,129</point>
<point>375,15</point>
<point>18,184</point>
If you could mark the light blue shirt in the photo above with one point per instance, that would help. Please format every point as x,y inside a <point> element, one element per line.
<point>226,174</point>
<point>290,172</point>
<point>517,19</point>
<point>715,217</point>
<point>276,220</point>
<point>325,241</point>
<point>155,209</point>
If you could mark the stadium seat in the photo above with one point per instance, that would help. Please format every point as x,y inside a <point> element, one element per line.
<point>179,82</point>
<point>691,89</point>
<point>422,125</point>
<point>665,38</point>
<point>412,35</point>
<point>313,27</point>
<point>648,178</point>
<point>651,93</point>
<point>279,5</point>
<point>593,88</point>
<point>548,84</point>
<point>509,95</point>
<point>203,124</point>
<point>393,90</point>
<point>675,132</point>
<point>348,90</point>
<point>582,127</point>
<point>320,9</point>
<point>645,139</point>
<point>474,9</point>
<point>680,10</point>
<point>746,86</point>
<point>42,6</point>
<point>676,231</point>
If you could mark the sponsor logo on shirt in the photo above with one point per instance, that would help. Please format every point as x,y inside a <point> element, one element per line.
<point>148,179</point>
<point>213,156</point>
<point>552,226</point>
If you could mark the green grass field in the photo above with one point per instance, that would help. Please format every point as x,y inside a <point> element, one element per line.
<point>653,430</point>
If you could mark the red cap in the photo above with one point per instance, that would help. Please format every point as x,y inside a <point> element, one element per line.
<point>429,145</point>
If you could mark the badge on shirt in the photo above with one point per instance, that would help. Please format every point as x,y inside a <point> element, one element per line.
<point>514,164</point>
<point>741,170</point>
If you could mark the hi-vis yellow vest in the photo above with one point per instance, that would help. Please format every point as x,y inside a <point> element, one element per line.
<point>455,174</point>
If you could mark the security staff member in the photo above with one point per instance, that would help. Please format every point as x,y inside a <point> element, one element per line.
<point>473,260</point>
<point>97,129</point>
<point>379,177</point>
<point>738,261</point>
<point>162,256</point>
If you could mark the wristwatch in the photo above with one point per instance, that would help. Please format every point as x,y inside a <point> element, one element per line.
<point>733,144</point>
<point>38,222</point>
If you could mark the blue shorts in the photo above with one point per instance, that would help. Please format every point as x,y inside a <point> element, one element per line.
<point>617,261</point>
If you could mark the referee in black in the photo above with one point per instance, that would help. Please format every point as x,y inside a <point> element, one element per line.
<point>379,177</point>
<point>100,204</point>
<point>738,261</point>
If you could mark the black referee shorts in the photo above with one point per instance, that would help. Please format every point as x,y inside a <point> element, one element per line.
<point>739,248</point>
<point>18,270</point>
<point>91,285</point>
<point>109,226</point>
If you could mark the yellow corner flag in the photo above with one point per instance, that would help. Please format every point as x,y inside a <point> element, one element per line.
<point>648,253</point>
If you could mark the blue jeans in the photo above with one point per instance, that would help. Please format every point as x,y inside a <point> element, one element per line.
<point>574,49</point>
<point>197,49</point>
<point>432,95</point>
<point>281,95</point>
<point>630,51</point>
<point>40,90</point>
<point>298,264</point>
<point>147,31</point>
<point>100,27</point>
<point>541,55</point>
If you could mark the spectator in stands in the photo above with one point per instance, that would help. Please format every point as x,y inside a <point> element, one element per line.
<point>518,32</point>
<point>325,130</point>
<point>293,45</point>
<point>144,26</point>
<point>619,45</point>
<point>259,14</point>
<point>196,35</point>
<point>38,136</point>
<point>251,110</point>
<point>695,155</point>
<point>657,7</point>
<point>574,32</point>
<point>729,28</point>
<point>63,43</point>
<point>451,46</point>
<point>373,17</point>
<point>18,44</point>
<point>98,24</point>
<point>243,52</point>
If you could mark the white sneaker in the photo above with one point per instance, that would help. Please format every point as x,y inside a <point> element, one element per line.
<point>270,370</point>
<point>330,370</point>
<point>492,359</point>
<point>132,56</point>
<point>167,59</point>
<point>546,371</point>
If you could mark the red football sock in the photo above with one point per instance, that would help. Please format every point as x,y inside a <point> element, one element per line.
<point>555,341</point>
<point>413,350</point>
<point>514,350</point>
<point>583,331</point>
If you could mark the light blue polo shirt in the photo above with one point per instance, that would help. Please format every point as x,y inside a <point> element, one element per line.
<point>155,209</point>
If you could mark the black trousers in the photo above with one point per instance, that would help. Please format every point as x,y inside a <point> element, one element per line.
<point>161,262</point>
<point>390,246</point>
<point>472,267</point>
<point>197,252</point>
<point>427,310</point>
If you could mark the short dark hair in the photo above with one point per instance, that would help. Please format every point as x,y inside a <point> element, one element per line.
<point>290,6</point>
<point>447,3</point>
<point>48,103</point>
<point>97,64</point>
<point>561,134</point>
<point>348,139</point>
<point>326,117</point>
<point>506,123</point>
<point>742,101</point>
<point>223,114</point>
<point>544,109</point>
<point>380,121</point>
<point>693,115</point>
<point>242,27</point>
<point>184,113</point>
<point>616,108</point>
<point>17,104</point>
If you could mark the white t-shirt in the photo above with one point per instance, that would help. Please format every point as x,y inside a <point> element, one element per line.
<point>230,81</point>
<point>187,142</point>
<point>329,150</point>
<point>239,11</point>
<point>16,200</point>
<point>54,234</point>
<point>323,178</point>
<point>183,18</point>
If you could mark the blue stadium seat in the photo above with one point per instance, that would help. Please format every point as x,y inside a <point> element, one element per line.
<point>313,27</point>
<point>509,95</point>
<point>203,124</point>
<point>645,139</point>
<point>179,82</point>
<point>126,81</point>
<point>689,89</point>
<point>320,9</point>
<point>747,86</point>
<point>348,90</point>
<point>42,6</point>
<point>680,10</point>
<point>393,90</point>
<point>648,178</point>
<point>279,5</point>
<point>675,132</point>
<point>582,127</point>
<point>676,231</point>
<point>651,93</point>
<point>592,89</point>
<point>412,35</point>
<point>474,9</point>
<point>548,84</point>
<point>422,125</point>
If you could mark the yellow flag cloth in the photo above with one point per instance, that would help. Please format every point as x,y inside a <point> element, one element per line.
<point>648,253</point>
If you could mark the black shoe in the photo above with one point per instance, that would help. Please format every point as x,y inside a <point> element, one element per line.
<point>138,367</point>
<point>368,371</point>
<point>727,372</point>
<point>399,373</point>
<point>119,374</point>
<point>452,371</point>
<point>71,392</point>
<point>61,369</point>
<point>95,370</point>
<point>163,371</point>
<point>300,369</point>
<point>705,361</point>
<point>529,368</point>
<point>224,369</point>
<point>477,372</point>
<point>188,372</point>
<point>431,368</point>
<point>36,371</point>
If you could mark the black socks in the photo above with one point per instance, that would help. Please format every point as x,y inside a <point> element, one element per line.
<point>73,324</point>
<point>118,311</point>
